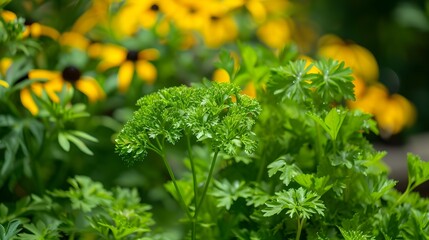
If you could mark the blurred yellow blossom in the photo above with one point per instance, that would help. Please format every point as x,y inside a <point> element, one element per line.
<point>275,33</point>
<point>97,14</point>
<point>358,58</point>
<point>392,112</point>
<point>35,30</point>
<point>75,40</point>
<point>55,81</point>
<point>129,61</point>
<point>135,14</point>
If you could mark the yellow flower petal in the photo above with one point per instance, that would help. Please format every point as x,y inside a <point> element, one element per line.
<point>53,87</point>
<point>95,49</point>
<point>146,71</point>
<point>257,9</point>
<point>28,101</point>
<point>149,54</point>
<point>35,30</point>
<point>5,63</point>
<point>75,40</point>
<point>90,88</point>
<point>43,74</point>
<point>275,33</point>
<point>250,90</point>
<point>4,84</point>
<point>8,15</point>
<point>111,56</point>
<point>125,75</point>
<point>49,32</point>
<point>221,75</point>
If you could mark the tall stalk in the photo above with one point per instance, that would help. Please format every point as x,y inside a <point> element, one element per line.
<point>206,184</point>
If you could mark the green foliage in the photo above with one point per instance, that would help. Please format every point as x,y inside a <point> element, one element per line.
<point>290,161</point>
<point>297,203</point>
<point>9,232</point>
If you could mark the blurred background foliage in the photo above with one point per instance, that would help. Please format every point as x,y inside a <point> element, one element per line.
<point>94,53</point>
<point>396,32</point>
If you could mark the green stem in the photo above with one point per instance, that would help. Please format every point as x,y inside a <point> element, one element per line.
<point>405,194</point>
<point>262,168</point>
<point>300,225</point>
<point>206,185</point>
<point>194,180</point>
<point>194,173</point>
<point>173,178</point>
<point>318,145</point>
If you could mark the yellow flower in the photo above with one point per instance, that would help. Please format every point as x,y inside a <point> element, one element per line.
<point>221,76</point>
<point>33,29</point>
<point>36,30</point>
<point>358,58</point>
<point>129,61</point>
<point>75,40</point>
<point>218,28</point>
<point>97,14</point>
<point>137,13</point>
<point>5,63</point>
<point>275,33</point>
<point>55,82</point>
<point>392,112</point>
<point>7,15</point>
<point>188,14</point>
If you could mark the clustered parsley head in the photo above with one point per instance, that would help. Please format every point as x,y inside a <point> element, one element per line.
<point>217,115</point>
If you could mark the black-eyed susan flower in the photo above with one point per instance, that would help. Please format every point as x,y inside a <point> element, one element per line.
<point>136,14</point>
<point>219,27</point>
<point>188,14</point>
<point>55,81</point>
<point>129,61</point>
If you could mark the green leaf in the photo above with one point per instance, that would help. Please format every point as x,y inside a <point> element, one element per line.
<point>185,188</point>
<point>288,171</point>
<point>249,57</point>
<point>84,194</point>
<point>320,185</point>
<point>354,235</point>
<point>291,82</point>
<point>332,123</point>
<point>79,144</point>
<point>62,140</point>
<point>334,82</point>
<point>418,170</point>
<point>297,202</point>
<point>11,230</point>
<point>226,193</point>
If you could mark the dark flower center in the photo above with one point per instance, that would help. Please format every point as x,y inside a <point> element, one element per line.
<point>154,7</point>
<point>192,10</point>
<point>71,74</point>
<point>133,55</point>
<point>29,21</point>
<point>214,18</point>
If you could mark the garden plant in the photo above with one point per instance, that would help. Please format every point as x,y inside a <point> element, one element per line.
<point>178,119</point>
